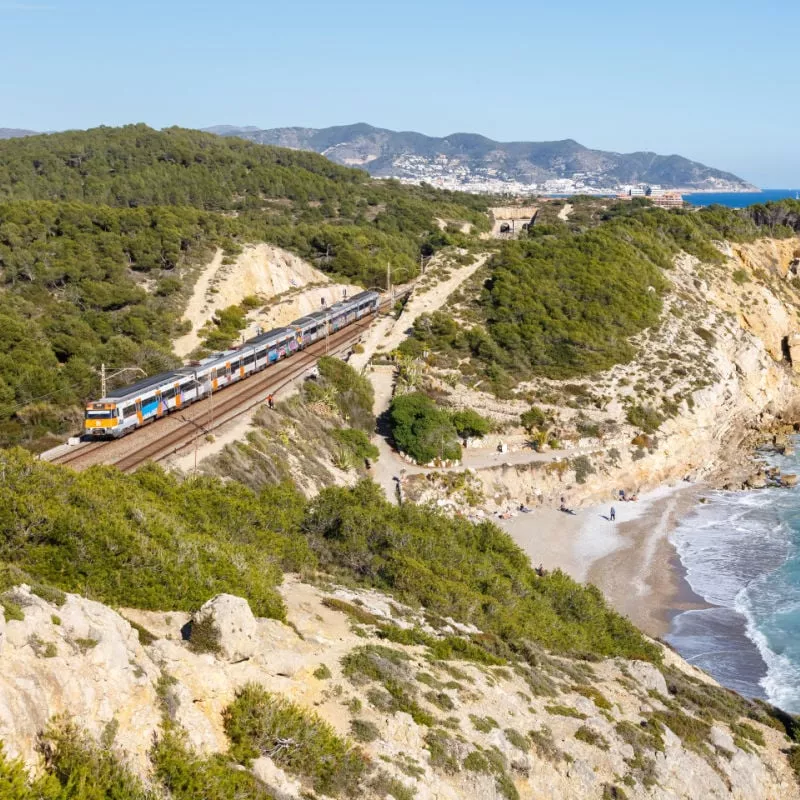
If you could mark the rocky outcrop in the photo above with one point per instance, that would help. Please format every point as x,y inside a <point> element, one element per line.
<point>567,730</point>
<point>235,626</point>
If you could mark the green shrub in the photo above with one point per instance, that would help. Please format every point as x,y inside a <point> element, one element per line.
<point>593,694</point>
<point>322,673</point>
<point>543,744</point>
<point>443,749</point>
<point>517,739</point>
<point>470,424</point>
<point>357,443</point>
<point>204,636</point>
<point>54,596</point>
<point>747,732</point>
<point>645,418</point>
<point>441,700</point>
<point>592,737</point>
<point>426,558</point>
<point>261,724</point>
<point>186,776</point>
<point>483,724</point>
<point>583,468</point>
<point>363,730</point>
<point>564,711</point>
<point>421,429</point>
<point>353,392</point>
<point>476,761</point>
<point>353,611</point>
<point>11,610</point>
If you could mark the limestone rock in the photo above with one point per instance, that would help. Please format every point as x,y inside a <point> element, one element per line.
<point>789,480</point>
<point>280,785</point>
<point>722,739</point>
<point>2,629</point>
<point>649,677</point>
<point>236,624</point>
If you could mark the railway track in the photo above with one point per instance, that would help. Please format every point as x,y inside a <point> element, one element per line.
<point>178,430</point>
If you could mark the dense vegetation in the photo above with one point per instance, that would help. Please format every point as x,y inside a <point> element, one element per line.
<point>100,232</point>
<point>566,301</point>
<point>150,541</point>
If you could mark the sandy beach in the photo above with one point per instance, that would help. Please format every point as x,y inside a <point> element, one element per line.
<point>630,560</point>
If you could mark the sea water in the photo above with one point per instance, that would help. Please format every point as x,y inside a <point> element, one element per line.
<point>741,552</point>
<point>739,199</point>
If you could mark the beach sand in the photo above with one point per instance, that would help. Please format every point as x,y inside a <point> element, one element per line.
<point>631,560</point>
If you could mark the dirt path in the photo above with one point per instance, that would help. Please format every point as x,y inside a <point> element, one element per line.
<point>389,333</point>
<point>565,212</point>
<point>197,308</point>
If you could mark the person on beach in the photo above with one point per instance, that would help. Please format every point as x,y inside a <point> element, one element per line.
<point>613,515</point>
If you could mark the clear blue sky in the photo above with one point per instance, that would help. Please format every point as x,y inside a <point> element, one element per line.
<point>714,80</point>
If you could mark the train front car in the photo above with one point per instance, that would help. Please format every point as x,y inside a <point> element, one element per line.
<point>100,420</point>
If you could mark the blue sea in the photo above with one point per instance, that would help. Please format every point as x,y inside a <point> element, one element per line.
<point>739,199</point>
<point>741,552</point>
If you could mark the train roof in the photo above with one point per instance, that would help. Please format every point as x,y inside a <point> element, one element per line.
<point>135,389</point>
<point>276,333</point>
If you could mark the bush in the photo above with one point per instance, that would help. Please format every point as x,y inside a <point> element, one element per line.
<point>148,540</point>
<point>357,443</point>
<point>645,418</point>
<point>592,737</point>
<point>583,468</point>
<point>261,724</point>
<point>353,392</point>
<point>204,635</point>
<point>363,730</point>
<point>470,424</point>
<point>186,776</point>
<point>533,419</point>
<point>422,430</point>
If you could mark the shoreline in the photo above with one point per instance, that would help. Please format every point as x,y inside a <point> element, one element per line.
<point>632,561</point>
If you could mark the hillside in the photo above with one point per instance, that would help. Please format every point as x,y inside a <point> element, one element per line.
<point>102,233</point>
<point>13,133</point>
<point>464,158</point>
<point>465,674</point>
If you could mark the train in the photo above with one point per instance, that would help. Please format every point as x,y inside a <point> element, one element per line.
<point>130,407</point>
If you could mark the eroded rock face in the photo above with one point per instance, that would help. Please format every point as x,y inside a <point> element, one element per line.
<point>236,625</point>
<point>80,660</point>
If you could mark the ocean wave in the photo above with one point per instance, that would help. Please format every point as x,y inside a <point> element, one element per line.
<point>741,551</point>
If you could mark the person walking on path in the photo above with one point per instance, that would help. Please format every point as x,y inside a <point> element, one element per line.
<point>613,515</point>
<point>270,401</point>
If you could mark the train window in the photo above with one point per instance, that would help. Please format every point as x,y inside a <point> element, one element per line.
<point>250,359</point>
<point>107,414</point>
<point>168,394</point>
<point>129,411</point>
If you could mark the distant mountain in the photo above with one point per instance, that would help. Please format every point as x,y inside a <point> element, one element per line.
<point>466,160</point>
<point>15,133</point>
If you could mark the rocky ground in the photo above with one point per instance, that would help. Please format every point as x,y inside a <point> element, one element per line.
<point>549,727</point>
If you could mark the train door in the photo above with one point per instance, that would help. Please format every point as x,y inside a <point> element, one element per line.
<point>159,404</point>
<point>139,416</point>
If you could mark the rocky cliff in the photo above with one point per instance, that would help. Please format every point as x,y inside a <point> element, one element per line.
<point>717,369</point>
<point>428,725</point>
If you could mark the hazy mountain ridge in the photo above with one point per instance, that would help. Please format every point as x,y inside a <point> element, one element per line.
<point>15,133</point>
<point>465,158</point>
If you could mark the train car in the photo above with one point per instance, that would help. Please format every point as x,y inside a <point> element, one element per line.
<point>277,344</point>
<point>311,328</point>
<point>128,407</point>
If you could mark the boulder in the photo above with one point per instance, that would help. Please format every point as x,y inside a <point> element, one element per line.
<point>789,480</point>
<point>756,481</point>
<point>649,677</point>
<point>238,629</point>
<point>279,784</point>
<point>721,739</point>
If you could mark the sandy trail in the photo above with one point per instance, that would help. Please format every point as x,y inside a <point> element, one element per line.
<point>565,212</point>
<point>389,333</point>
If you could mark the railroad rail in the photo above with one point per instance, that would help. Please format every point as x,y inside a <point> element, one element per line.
<point>174,432</point>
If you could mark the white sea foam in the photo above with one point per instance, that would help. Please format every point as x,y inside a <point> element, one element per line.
<point>737,549</point>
